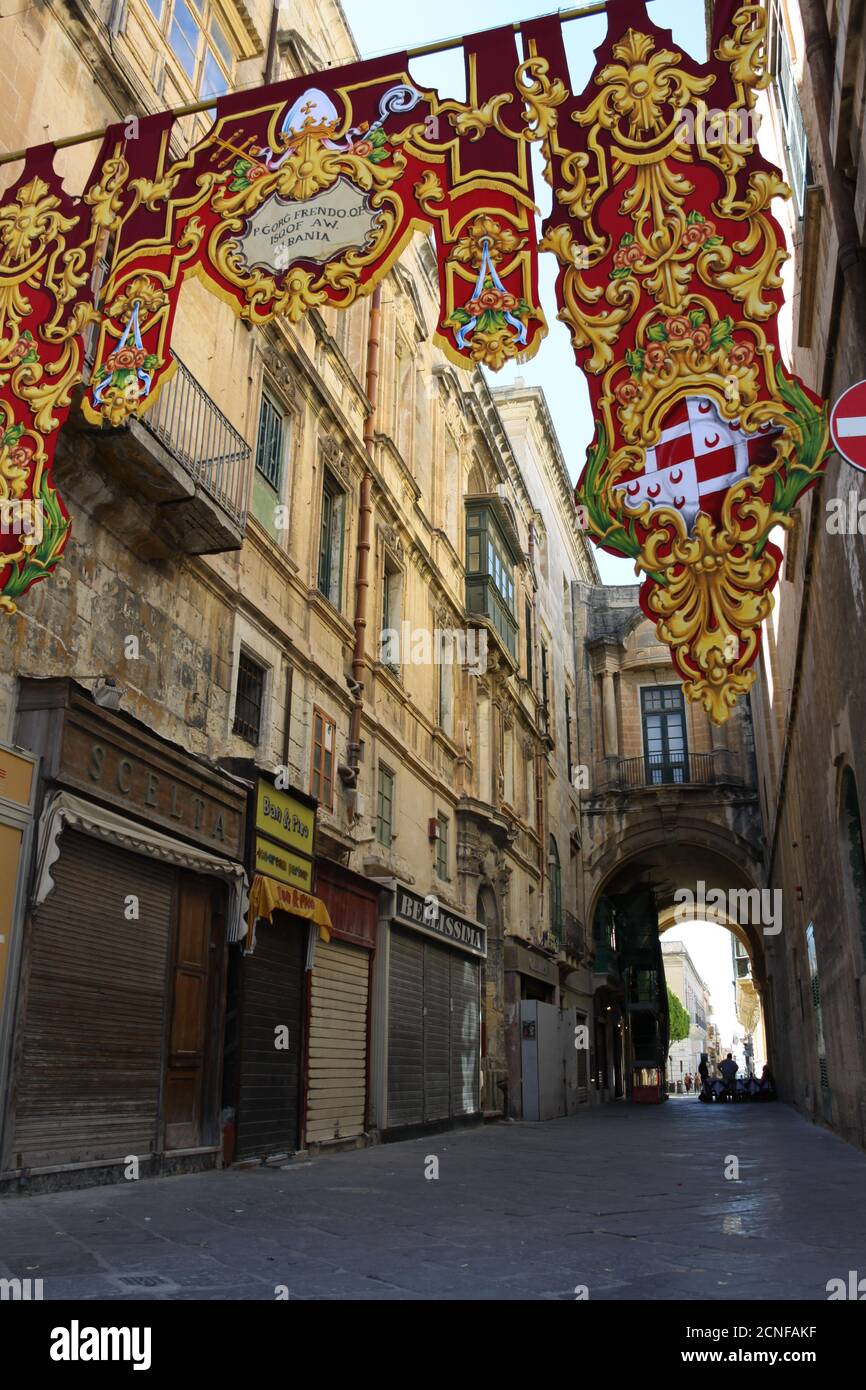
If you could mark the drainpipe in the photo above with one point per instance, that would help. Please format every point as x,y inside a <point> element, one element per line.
<point>270,59</point>
<point>365,527</point>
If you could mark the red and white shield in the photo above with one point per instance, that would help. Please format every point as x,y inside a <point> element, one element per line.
<point>696,460</point>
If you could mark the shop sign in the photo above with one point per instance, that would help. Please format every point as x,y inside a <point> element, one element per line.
<point>427,914</point>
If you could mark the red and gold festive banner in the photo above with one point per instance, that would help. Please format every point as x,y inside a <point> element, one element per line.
<point>669,282</point>
<point>304,194</point>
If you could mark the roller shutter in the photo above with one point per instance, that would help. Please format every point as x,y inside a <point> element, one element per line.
<point>433,1032</point>
<point>91,1045</point>
<point>437,1032</point>
<point>405,1030</point>
<point>337,1068</point>
<point>270,1077</point>
<point>465,1035</point>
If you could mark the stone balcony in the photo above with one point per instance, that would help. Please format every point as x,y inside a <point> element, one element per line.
<point>718,768</point>
<point>175,480</point>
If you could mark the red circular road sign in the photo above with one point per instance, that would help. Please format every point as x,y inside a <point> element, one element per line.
<point>848,425</point>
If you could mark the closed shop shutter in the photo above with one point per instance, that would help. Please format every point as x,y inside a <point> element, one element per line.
<point>434,1032</point>
<point>405,1029</point>
<point>270,1076</point>
<point>337,1069</point>
<point>437,1032</point>
<point>465,1035</point>
<point>91,1048</point>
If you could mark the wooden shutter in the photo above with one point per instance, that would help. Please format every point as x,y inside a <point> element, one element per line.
<point>270,1077</point>
<point>337,1068</point>
<point>405,1029</point>
<point>92,1032</point>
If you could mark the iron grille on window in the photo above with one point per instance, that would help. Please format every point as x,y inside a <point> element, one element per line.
<point>269,446</point>
<point>248,699</point>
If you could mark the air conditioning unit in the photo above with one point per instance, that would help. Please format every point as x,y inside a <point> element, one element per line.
<point>433,829</point>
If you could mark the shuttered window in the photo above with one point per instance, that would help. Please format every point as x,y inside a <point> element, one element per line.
<point>269,443</point>
<point>385,807</point>
<point>322,774</point>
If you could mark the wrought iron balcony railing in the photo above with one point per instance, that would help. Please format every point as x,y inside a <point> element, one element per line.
<point>192,427</point>
<point>656,770</point>
<point>573,935</point>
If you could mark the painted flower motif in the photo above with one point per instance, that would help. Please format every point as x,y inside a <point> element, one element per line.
<point>126,359</point>
<point>501,242</point>
<point>655,357</point>
<point>697,233</point>
<point>627,256</point>
<point>626,392</point>
<point>362,148</point>
<point>21,455</point>
<point>742,354</point>
<point>256,171</point>
<point>678,327</point>
<point>491,299</point>
<point>702,337</point>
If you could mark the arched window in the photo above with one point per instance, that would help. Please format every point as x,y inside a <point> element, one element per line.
<point>853,856</point>
<point>555,892</point>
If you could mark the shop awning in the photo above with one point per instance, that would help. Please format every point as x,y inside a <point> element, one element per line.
<point>64,809</point>
<point>267,896</point>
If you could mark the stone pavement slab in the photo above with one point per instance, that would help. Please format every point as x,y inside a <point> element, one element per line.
<point>632,1202</point>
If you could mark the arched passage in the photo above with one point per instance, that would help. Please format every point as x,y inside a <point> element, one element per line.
<point>645,888</point>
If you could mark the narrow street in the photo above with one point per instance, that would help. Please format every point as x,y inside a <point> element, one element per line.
<point>629,1201</point>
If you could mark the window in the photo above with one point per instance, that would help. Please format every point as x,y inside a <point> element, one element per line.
<point>788,106</point>
<point>527,618</point>
<point>269,444</point>
<point>816,1003</point>
<point>331,542</point>
<point>490,573</point>
<point>322,771</point>
<point>385,807</point>
<point>545,682</point>
<point>445,706</point>
<point>249,698</point>
<point>442,847</point>
<point>568,747</point>
<point>389,640</point>
<point>555,892</point>
<point>664,734</point>
<point>198,42</point>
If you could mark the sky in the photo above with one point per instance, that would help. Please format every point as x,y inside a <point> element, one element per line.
<point>387,27</point>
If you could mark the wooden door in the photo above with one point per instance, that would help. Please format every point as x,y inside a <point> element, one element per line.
<point>197,995</point>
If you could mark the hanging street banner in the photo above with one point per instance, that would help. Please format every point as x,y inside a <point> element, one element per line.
<point>303,194</point>
<point>669,282</point>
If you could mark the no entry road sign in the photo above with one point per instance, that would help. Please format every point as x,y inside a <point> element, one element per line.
<point>848,425</point>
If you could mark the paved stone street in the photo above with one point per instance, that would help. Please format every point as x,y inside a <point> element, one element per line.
<point>627,1200</point>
